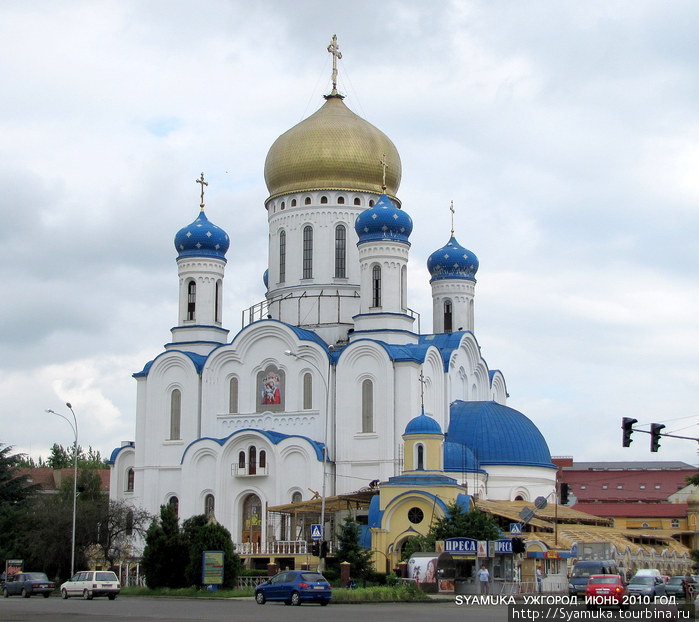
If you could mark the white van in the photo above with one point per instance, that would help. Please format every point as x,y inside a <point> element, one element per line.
<point>648,572</point>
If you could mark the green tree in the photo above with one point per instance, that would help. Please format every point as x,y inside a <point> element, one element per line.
<point>117,527</point>
<point>205,534</point>
<point>458,523</point>
<point>349,549</point>
<point>693,479</point>
<point>62,458</point>
<point>165,555</point>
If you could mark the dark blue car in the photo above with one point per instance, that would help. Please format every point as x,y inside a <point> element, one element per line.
<point>294,587</point>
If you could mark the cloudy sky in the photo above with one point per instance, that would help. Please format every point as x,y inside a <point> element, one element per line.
<point>566,133</point>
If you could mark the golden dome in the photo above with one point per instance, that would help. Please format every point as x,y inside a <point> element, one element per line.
<point>333,149</point>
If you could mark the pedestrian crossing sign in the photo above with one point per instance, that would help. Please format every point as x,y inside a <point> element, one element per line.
<point>316,533</point>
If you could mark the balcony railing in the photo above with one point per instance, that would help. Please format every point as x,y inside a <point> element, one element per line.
<point>278,547</point>
<point>248,470</point>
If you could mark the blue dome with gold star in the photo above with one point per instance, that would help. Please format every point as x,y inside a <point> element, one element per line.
<point>383,221</point>
<point>452,261</point>
<point>202,238</point>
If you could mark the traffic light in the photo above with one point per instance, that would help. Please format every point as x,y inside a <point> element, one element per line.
<point>518,545</point>
<point>315,548</point>
<point>627,427</point>
<point>565,489</point>
<point>324,548</point>
<point>655,435</point>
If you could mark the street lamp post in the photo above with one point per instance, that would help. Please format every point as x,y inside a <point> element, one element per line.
<point>74,426</point>
<point>325,441</point>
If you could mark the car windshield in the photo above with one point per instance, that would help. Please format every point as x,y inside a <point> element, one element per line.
<point>604,580</point>
<point>312,576</point>
<point>36,576</point>
<point>675,580</point>
<point>643,580</point>
<point>584,571</point>
<point>105,576</point>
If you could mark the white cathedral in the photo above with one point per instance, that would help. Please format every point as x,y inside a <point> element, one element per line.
<point>317,389</point>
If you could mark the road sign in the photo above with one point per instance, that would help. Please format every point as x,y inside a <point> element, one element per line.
<point>516,528</point>
<point>316,532</point>
<point>540,503</point>
<point>526,514</point>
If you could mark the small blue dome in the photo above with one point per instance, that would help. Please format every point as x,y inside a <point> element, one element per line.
<point>383,221</point>
<point>452,261</point>
<point>202,238</point>
<point>265,278</point>
<point>497,434</point>
<point>422,424</point>
<point>459,458</point>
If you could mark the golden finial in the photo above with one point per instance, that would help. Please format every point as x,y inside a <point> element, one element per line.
<point>334,49</point>
<point>422,382</point>
<point>203,183</point>
<point>451,209</point>
<point>384,166</point>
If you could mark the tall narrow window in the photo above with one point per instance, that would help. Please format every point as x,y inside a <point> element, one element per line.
<point>282,256</point>
<point>175,414</point>
<point>447,316</point>
<point>252,460</point>
<point>191,299</point>
<point>241,460</point>
<point>233,396</point>
<point>376,286</point>
<point>420,457</point>
<point>308,252</point>
<point>218,301</point>
<point>209,505</point>
<point>129,479</point>
<point>404,288</point>
<point>263,459</point>
<point>307,391</point>
<point>174,503</point>
<point>340,251</point>
<point>367,406</point>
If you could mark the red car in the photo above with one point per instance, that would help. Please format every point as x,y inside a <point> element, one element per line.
<point>606,590</point>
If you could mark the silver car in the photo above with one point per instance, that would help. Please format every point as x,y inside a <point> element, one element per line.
<point>646,585</point>
<point>91,583</point>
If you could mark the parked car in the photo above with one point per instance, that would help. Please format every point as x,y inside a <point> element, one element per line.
<point>675,586</point>
<point>91,583</point>
<point>583,570</point>
<point>608,590</point>
<point>647,585</point>
<point>294,587</point>
<point>27,584</point>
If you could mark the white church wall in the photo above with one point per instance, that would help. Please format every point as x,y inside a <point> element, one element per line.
<point>505,482</point>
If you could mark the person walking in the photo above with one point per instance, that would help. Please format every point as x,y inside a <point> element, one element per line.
<point>484,579</point>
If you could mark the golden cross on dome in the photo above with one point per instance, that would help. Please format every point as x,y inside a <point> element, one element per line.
<point>384,165</point>
<point>451,209</point>
<point>334,49</point>
<point>422,382</point>
<point>203,183</point>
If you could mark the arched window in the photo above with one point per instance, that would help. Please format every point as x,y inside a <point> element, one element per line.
<point>376,286</point>
<point>282,256</point>
<point>308,252</point>
<point>293,202</point>
<point>323,200</point>
<point>174,503</point>
<point>307,391</point>
<point>241,460</point>
<point>371,203</point>
<point>340,200</point>
<point>175,414</point>
<point>283,204</point>
<point>296,497</point>
<point>263,459</point>
<point>191,300</point>
<point>219,297</point>
<point>233,396</point>
<point>367,406</point>
<point>404,288</point>
<point>252,460</point>
<point>307,201</point>
<point>129,479</point>
<point>447,316</point>
<point>420,465</point>
<point>209,505</point>
<point>357,201</point>
<point>340,251</point>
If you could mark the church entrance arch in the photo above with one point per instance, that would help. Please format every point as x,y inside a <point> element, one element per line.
<point>252,519</point>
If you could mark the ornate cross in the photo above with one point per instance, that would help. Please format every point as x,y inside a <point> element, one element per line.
<point>203,183</point>
<point>334,49</point>
<point>451,209</point>
<point>384,165</point>
<point>422,382</point>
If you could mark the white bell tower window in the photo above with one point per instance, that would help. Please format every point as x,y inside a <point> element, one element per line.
<point>191,300</point>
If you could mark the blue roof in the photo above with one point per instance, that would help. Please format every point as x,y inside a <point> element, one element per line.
<point>452,261</point>
<point>422,424</point>
<point>446,343</point>
<point>197,359</point>
<point>458,458</point>
<point>383,221</point>
<point>202,238</point>
<point>497,434</point>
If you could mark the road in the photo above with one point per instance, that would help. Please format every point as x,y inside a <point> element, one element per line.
<point>126,608</point>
